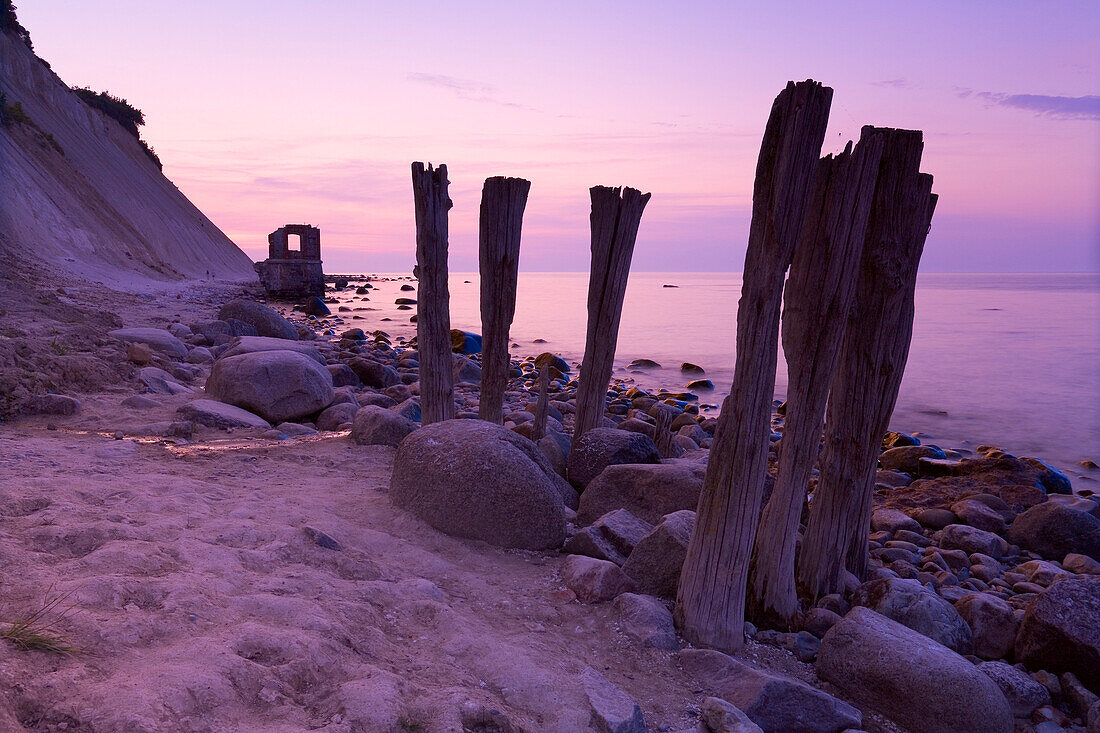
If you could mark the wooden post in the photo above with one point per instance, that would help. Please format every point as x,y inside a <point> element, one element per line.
<point>870,367</point>
<point>816,301</point>
<point>662,432</point>
<point>502,203</point>
<point>616,214</point>
<point>710,603</point>
<point>433,316</point>
<point>542,407</point>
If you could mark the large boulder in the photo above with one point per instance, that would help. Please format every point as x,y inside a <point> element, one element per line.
<point>157,339</point>
<point>332,417</point>
<point>594,580</point>
<point>478,480</point>
<point>374,374</point>
<point>775,702</point>
<point>602,447</point>
<point>1022,692</point>
<point>1060,631</point>
<point>657,559</point>
<point>374,425</point>
<point>647,620</point>
<point>1054,530</point>
<point>276,385</point>
<point>909,678</point>
<point>917,607</point>
<point>265,320</point>
<point>255,344</point>
<point>907,458</point>
<point>972,540</point>
<point>646,490</point>
<point>220,415</point>
<point>992,624</point>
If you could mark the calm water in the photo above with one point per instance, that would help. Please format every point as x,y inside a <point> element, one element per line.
<point>1011,360</point>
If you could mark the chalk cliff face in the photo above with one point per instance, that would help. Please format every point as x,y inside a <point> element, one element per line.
<point>89,201</point>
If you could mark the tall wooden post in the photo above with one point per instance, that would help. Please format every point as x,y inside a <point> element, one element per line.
<point>871,363</point>
<point>502,203</point>
<point>542,406</point>
<point>616,214</point>
<point>710,603</point>
<point>433,315</point>
<point>816,301</point>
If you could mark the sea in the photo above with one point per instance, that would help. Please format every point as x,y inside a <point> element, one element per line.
<point>1010,360</point>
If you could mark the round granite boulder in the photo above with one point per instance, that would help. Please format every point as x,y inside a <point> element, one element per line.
<point>276,385</point>
<point>478,480</point>
<point>602,447</point>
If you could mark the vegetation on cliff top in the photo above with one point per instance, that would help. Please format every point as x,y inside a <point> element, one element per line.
<point>9,23</point>
<point>121,111</point>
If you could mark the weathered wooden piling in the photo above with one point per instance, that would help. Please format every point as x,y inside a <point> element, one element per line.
<point>710,604</point>
<point>616,214</point>
<point>433,318</point>
<point>816,302</point>
<point>542,406</point>
<point>502,203</point>
<point>870,367</point>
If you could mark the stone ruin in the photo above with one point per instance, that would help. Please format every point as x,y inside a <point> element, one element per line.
<point>290,273</point>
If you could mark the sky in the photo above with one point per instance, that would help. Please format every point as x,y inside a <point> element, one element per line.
<point>270,112</point>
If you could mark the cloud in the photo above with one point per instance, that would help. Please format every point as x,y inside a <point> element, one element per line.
<point>468,89</point>
<point>1042,105</point>
<point>896,83</point>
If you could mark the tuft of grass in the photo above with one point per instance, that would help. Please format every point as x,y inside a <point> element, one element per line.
<point>59,349</point>
<point>412,726</point>
<point>37,629</point>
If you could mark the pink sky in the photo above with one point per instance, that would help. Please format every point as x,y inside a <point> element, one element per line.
<point>276,112</point>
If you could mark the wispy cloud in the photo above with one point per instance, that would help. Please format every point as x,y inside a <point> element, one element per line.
<point>468,89</point>
<point>895,83</point>
<point>1042,105</point>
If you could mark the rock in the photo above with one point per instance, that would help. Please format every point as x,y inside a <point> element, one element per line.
<point>410,410</point>
<point>157,339</point>
<point>647,490</point>
<point>935,518</point>
<point>1022,693</point>
<point>971,540</point>
<point>720,717</point>
<point>592,580</point>
<point>276,385</point>
<point>220,415</point>
<point>602,447</point>
<point>701,384</point>
<point>264,319</point>
<point>1054,531</point>
<point>373,398</point>
<point>775,702</point>
<point>613,711</point>
<point>200,355</point>
<point>140,354</point>
<point>464,342</point>
<point>688,368</point>
<point>1053,480</point>
<point>622,529</point>
<point>1081,565</point>
<point>465,370</point>
<point>591,541</point>
<point>907,458</point>
<point>1042,572</point>
<point>978,514</point>
<point>481,481</point>
<point>552,360</point>
<point>992,624</point>
<point>891,520</point>
<point>656,561</point>
<point>342,375</point>
<point>314,306</point>
<point>331,418</point>
<point>374,425</point>
<point>909,678</point>
<point>917,607</point>
<point>646,619</point>
<point>1076,695</point>
<point>256,344</point>
<point>1059,631</point>
<point>159,381</point>
<point>818,621</point>
<point>293,429</point>
<point>373,374</point>
<point>53,404</point>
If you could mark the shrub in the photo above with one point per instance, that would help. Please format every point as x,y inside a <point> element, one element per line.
<point>10,24</point>
<point>118,109</point>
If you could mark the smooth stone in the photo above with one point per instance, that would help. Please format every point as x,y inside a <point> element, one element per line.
<point>613,711</point>
<point>594,580</point>
<point>647,620</point>
<point>157,339</point>
<point>656,561</point>
<point>1059,631</point>
<point>220,415</point>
